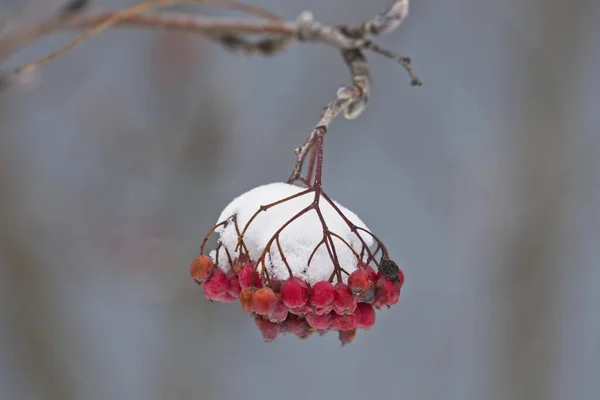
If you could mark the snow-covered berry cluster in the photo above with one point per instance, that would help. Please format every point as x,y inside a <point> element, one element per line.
<point>298,262</point>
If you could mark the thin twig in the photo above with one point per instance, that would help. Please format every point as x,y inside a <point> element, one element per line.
<point>349,100</point>
<point>385,22</point>
<point>224,30</point>
<point>136,10</point>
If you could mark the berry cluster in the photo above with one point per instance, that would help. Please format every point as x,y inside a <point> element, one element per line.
<point>293,306</point>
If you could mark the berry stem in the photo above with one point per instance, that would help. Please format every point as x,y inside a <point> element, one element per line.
<point>265,208</point>
<point>210,233</point>
<point>261,259</point>
<point>319,170</point>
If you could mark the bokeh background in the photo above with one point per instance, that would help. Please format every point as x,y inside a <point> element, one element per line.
<point>484,183</point>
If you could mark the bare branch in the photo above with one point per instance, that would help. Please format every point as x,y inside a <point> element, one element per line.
<point>349,100</point>
<point>136,10</point>
<point>73,7</point>
<point>385,22</point>
<point>277,35</point>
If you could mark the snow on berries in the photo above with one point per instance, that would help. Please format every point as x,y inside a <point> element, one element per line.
<point>299,263</point>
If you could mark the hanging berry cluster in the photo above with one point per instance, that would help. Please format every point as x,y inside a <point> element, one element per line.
<point>297,261</point>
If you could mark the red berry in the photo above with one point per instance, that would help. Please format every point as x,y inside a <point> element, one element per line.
<point>296,325</point>
<point>268,329</point>
<point>246,296</point>
<point>300,310</point>
<point>323,310</point>
<point>400,278</point>
<point>201,268</point>
<point>371,274</point>
<point>245,277</point>
<point>234,284</point>
<point>265,301</point>
<point>344,322</point>
<point>215,288</point>
<point>302,329</point>
<point>344,302</point>
<point>347,336</point>
<point>294,293</point>
<point>365,316</point>
<point>280,313</point>
<point>321,294</point>
<point>387,291</point>
<point>358,281</point>
<point>275,284</point>
<point>318,321</point>
<point>228,298</point>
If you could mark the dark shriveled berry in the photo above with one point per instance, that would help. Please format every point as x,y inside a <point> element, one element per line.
<point>390,270</point>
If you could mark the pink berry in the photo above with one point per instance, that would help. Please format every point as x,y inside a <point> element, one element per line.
<point>268,329</point>
<point>265,301</point>
<point>245,277</point>
<point>344,302</point>
<point>365,316</point>
<point>296,325</point>
<point>201,268</point>
<point>373,276</point>
<point>321,294</point>
<point>294,293</point>
<point>280,313</point>
<point>344,322</point>
<point>234,284</point>
<point>358,281</point>
<point>300,310</point>
<point>215,288</point>
<point>228,298</point>
<point>387,291</point>
<point>318,321</point>
<point>323,310</point>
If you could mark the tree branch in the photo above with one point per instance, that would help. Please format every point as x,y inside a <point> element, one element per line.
<point>277,34</point>
<point>227,31</point>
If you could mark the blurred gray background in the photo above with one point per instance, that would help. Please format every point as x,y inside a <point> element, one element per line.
<point>484,183</point>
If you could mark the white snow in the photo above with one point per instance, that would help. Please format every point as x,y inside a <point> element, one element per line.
<point>297,240</point>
